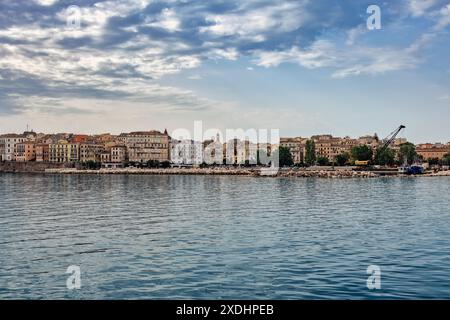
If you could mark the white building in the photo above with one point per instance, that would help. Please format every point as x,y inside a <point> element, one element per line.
<point>186,152</point>
<point>8,146</point>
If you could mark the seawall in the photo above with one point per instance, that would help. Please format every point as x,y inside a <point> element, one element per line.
<point>31,167</point>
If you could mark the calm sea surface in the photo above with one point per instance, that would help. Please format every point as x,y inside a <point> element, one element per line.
<point>206,237</point>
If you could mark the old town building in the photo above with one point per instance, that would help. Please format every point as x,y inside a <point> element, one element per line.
<point>42,152</point>
<point>296,146</point>
<point>8,145</point>
<point>90,152</point>
<point>432,151</point>
<point>119,154</point>
<point>25,151</point>
<point>144,146</point>
<point>64,151</point>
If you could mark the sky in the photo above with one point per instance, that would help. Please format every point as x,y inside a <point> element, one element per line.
<point>304,67</point>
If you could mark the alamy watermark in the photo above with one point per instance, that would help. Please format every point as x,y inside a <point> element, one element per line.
<point>73,18</point>
<point>374,20</point>
<point>232,147</point>
<point>374,279</point>
<point>74,280</point>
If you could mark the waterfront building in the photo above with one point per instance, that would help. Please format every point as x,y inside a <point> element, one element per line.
<point>234,152</point>
<point>297,147</point>
<point>329,147</point>
<point>25,151</point>
<point>371,141</point>
<point>213,151</point>
<point>265,151</point>
<point>2,148</point>
<point>432,151</point>
<point>90,152</point>
<point>42,152</point>
<point>240,152</point>
<point>64,151</point>
<point>251,152</point>
<point>186,152</point>
<point>325,146</point>
<point>8,142</point>
<point>119,154</point>
<point>105,157</point>
<point>143,146</point>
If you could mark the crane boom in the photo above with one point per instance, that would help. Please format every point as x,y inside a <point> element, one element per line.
<point>390,138</point>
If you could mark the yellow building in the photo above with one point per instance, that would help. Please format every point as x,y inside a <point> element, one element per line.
<point>63,151</point>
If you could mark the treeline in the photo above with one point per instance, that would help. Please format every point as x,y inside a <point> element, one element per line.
<point>383,156</point>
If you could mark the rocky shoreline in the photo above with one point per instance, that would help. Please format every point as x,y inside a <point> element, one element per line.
<point>220,172</point>
<point>312,172</point>
<point>254,172</point>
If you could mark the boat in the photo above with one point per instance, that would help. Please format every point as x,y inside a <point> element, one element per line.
<point>414,169</point>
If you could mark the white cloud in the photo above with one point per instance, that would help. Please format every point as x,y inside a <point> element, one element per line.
<point>46,2</point>
<point>373,61</point>
<point>167,20</point>
<point>252,24</point>
<point>320,54</point>
<point>350,61</point>
<point>420,7</point>
<point>443,18</point>
<point>354,33</point>
<point>228,54</point>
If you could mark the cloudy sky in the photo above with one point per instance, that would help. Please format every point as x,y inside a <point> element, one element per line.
<point>305,66</point>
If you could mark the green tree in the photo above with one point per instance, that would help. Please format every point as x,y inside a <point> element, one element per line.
<point>407,153</point>
<point>342,159</point>
<point>152,164</point>
<point>165,164</point>
<point>433,161</point>
<point>385,157</point>
<point>446,159</point>
<point>362,153</point>
<point>310,156</point>
<point>285,157</point>
<point>92,165</point>
<point>323,161</point>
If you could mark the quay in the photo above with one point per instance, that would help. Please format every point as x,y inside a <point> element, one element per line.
<point>254,172</point>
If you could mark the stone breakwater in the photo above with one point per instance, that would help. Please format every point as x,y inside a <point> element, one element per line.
<point>222,171</point>
<point>440,174</point>
<point>169,171</point>
<point>328,174</point>
<point>30,167</point>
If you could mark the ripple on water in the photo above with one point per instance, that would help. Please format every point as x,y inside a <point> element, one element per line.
<point>212,237</point>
